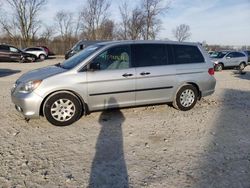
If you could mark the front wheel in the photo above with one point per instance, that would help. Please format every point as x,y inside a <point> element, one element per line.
<point>219,67</point>
<point>186,98</point>
<point>62,109</point>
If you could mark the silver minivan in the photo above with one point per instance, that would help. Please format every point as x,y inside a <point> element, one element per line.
<point>116,74</point>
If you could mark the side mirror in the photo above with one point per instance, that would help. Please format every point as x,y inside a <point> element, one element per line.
<point>228,57</point>
<point>81,47</point>
<point>94,66</point>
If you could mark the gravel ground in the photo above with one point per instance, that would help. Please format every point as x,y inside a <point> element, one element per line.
<point>154,146</point>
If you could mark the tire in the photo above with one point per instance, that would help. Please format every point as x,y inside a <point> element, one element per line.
<point>186,98</point>
<point>219,67</point>
<point>42,57</point>
<point>242,66</point>
<point>22,60</point>
<point>62,109</point>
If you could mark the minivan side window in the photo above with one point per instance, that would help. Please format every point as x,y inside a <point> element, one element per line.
<point>117,57</point>
<point>186,54</point>
<point>149,55</point>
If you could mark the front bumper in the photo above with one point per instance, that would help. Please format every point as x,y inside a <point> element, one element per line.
<point>27,103</point>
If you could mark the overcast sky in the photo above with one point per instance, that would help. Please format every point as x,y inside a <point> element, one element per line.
<point>215,21</point>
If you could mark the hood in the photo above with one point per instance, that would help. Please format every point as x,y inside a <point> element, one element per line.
<point>40,74</point>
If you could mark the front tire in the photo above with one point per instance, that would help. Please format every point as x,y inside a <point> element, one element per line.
<point>62,109</point>
<point>219,67</point>
<point>186,98</point>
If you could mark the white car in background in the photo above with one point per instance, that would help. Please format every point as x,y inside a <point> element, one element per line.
<point>38,52</point>
<point>224,59</point>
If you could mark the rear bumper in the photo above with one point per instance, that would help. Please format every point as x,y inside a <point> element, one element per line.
<point>27,104</point>
<point>207,93</point>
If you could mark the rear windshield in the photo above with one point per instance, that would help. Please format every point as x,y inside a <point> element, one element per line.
<point>80,57</point>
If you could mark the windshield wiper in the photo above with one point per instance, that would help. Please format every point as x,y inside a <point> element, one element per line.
<point>59,65</point>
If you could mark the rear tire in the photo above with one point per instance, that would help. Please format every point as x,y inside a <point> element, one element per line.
<point>42,57</point>
<point>62,109</point>
<point>242,66</point>
<point>186,98</point>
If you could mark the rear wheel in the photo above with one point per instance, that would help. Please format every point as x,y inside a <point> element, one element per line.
<point>42,57</point>
<point>186,98</point>
<point>62,109</point>
<point>242,66</point>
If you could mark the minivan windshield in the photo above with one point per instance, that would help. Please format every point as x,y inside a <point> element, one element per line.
<point>218,54</point>
<point>79,57</point>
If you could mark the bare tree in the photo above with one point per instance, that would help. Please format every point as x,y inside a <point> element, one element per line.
<point>132,24</point>
<point>64,23</point>
<point>78,25</point>
<point>124,25</point>
<point>48,33</point>
<point>152,10</point>
<point>25,19</point>
<point>136,24</point>
<point>94,13</point>
<point>106,30</point>
<point>182,32</point>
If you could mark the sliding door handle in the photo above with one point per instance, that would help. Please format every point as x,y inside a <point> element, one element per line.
<point>144,73</point>
<point>127,75</point>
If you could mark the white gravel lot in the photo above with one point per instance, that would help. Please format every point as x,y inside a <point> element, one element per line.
<point>155,146</point>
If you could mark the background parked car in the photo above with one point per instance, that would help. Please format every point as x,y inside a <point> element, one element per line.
<point>80,45</point>
<point>38,52</point>
<point>47,50</point>
<point>223,59</point>
<point>11,53</point>
<point>248,54</point>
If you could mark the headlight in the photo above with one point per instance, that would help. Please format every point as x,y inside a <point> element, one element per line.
<point>30,86</point>
<point>215,62</point>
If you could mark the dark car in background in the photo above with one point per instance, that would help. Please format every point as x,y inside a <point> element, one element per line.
<point>13,54</point>
<point>80,45</point>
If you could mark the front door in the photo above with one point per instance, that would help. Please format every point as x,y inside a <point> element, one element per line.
<point>15,54</point>
<point>111,79</point>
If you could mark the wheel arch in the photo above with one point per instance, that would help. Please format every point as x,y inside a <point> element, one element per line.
<point>81,100</point>
<point>189,83</point>
<point>243,62</point>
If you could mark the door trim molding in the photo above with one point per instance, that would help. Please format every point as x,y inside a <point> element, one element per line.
<point>128,91</point>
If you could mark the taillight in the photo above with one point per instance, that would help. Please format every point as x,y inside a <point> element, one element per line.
<point>211,71</point>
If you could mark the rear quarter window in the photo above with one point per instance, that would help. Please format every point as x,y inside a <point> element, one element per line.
<point>187,54</point>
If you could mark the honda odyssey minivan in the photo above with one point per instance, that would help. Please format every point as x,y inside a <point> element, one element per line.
<point>131,73</point>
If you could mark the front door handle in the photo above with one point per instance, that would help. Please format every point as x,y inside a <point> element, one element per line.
<point>144,73</point>
<point>127,75</point>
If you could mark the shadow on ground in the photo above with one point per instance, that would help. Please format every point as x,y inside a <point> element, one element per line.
<point>51,57</point>
<point>226,163</point>
<point>109,166</point>
<point>8,72</point>
<point>245,75</point>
